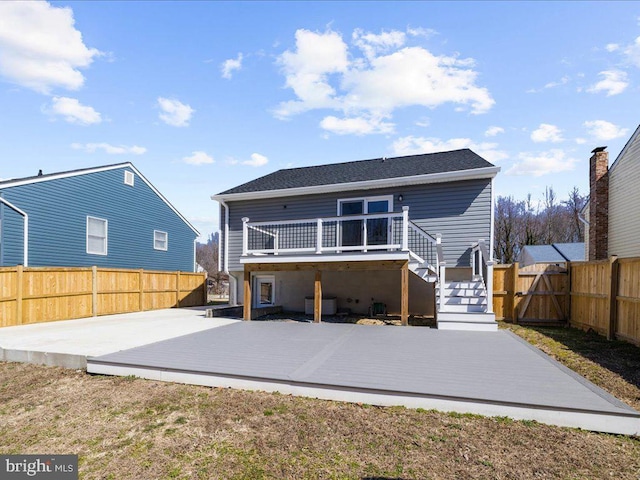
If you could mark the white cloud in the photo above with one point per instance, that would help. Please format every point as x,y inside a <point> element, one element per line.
<point>613,83</point>
<point>174,112</point>
<point>356,125</point>
<point>612,47</point>
<point>324,73</point>
<point>632,52</point>
<point>108,148</point>
<point>198,158</point>
<point>228,66</point>
<point>73,111</point>
<point>543,163</point>
<point>563,81</point>
<point>547,133</point>
<point>581,141</point>
<point>493,131</point>
<point>257,160</point>
<point>603,130</point>
<point>411,145</point>
<point>40,48</point>
<point>373,44</point>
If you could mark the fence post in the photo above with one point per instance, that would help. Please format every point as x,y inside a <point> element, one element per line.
<point>205,288</point>
<point>94,291</point>
<point>141,284</point>
<point>614,268</point>
<point>489,285</point>
<point>568,300</point>
<point>514,296</point>
<point>178,289</point>
<point>19,275</point>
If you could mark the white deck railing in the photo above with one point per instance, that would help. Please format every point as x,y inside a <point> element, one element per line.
<point>482,266</point>
<point>347,233</point>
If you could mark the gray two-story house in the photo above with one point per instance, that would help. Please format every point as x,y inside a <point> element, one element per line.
<point>406,235</point>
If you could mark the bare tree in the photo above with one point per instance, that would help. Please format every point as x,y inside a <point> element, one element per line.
<point>519,223</point>
<point>573,206</point>
<point>507,213</point>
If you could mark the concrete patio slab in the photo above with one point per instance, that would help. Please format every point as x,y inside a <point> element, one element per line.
<point>68,343</point>
<point>489,373</point>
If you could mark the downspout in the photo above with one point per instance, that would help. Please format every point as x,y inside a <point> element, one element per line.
<point>493,213</point>
<point>25,237</point>
<point>582,219</point>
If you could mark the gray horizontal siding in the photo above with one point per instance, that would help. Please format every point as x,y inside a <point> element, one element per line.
<point>460,211</point>
<point>11,236</point>
<point>58,210</point>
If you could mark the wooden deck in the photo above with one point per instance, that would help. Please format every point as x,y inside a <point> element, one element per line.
<point>494,373</point>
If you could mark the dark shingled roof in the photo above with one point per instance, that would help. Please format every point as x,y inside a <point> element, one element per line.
<point>363,170</point>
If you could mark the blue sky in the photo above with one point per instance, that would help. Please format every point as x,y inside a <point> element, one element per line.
<point>203,96</point>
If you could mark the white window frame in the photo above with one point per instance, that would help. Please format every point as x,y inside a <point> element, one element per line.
<point>365,208</point>
<point>366,200</point>
<point>258,280</point>
<point>106,236</point>
<point>129,178</point>
<point>166,240</point>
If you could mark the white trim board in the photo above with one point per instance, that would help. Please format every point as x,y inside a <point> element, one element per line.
<point>315,258</point>
<point>471,174</point>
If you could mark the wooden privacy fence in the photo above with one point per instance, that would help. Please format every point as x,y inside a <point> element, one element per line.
<point>605,296</point>
<point>535,294</point>
<point>44,294</point>
<point>601,295</point>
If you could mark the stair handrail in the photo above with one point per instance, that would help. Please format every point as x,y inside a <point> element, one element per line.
<point>482,261</point>
<point>442,267</point>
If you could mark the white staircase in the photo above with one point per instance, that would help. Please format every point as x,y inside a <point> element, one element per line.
<point>465,307</point>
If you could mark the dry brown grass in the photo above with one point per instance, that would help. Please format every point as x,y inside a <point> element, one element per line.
<point>126,428</point>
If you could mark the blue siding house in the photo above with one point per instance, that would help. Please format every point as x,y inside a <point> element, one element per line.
<point>109,216</point>
<point>408,235</point>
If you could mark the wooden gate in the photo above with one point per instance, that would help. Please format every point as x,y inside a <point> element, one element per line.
<point>543,292</point>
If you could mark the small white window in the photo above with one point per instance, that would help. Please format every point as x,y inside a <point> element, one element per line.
<point>160,240</point>
<point>128,177</point>
<point>265,290</point>
<point>96,236</point>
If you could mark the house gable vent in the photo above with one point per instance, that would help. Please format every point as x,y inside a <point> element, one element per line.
<point>128,177</point>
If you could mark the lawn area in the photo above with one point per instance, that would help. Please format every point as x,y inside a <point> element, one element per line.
<point>127,428</point>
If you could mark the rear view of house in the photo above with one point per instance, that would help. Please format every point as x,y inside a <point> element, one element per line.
<point>412,235</point>
<point>109,216</point>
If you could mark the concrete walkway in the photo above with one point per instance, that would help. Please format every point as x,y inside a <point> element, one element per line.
<point>68,343</point>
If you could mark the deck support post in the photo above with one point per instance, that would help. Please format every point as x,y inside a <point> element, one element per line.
<point>317,297</point>
<point>404,292</point>
<point>247,295</point>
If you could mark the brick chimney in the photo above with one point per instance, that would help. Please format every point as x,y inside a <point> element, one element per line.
<point>599,204</point>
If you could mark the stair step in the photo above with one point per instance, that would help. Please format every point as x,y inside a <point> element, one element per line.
<point>464,285</point>
<point>485,322</point>
<point>466,292</point>
<point>465,300</point>
<point>465,308</point>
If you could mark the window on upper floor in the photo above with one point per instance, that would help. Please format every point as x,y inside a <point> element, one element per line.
<point>128,177</point>
<point>97,236</point>
<point>160,240</point>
